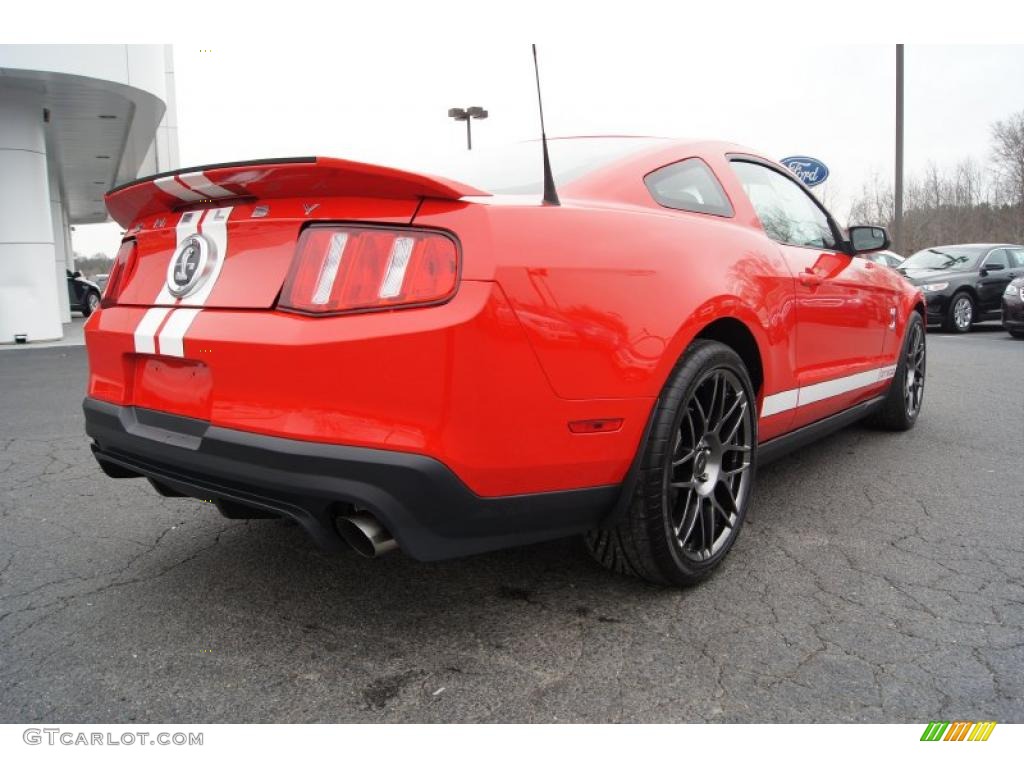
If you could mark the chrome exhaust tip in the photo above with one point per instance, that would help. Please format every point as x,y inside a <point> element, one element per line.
<point>365,535</point>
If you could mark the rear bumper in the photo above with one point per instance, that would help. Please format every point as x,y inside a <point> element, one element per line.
<point>458,382</point>
<point>422,503</point>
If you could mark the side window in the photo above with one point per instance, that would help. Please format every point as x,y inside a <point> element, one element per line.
<point>999,256</point>
<point>688,185</point>
<point>786,211</point>
<point>1011,258</point>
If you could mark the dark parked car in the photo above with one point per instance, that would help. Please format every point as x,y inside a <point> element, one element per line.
<point>83,295</point>
<point>963,284</point>
<point>1013,308</point>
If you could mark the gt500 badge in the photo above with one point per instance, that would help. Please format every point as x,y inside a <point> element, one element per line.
<point>192,263</point>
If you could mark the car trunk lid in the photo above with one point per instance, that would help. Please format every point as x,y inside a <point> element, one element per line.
<point>225,236</point>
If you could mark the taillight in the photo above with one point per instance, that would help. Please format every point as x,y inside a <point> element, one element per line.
<point>346,269</point>
<point>120,273</point>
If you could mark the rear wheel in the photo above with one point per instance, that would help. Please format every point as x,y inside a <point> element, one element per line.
<point>696,476</point>
<point>959,314</point>
<point>1017,334</point>
<point>91,303</point>
<point>902,404</point>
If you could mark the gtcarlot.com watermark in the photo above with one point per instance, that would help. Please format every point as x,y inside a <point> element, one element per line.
<point>69,738</point>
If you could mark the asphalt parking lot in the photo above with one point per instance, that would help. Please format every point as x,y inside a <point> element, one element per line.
<point>880,577</point>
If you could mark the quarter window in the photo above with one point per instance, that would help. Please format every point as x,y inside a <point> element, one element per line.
<point>688,185</point>
<point>786,211</point>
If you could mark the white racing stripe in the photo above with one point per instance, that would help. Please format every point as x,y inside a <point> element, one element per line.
<point>779,402</point>
<point>172,336</point>
<point>199,183</point>
<point>215,228</point>
<point>171,339</point>
<point>145,332</point>
<point>826,389</point>
<point>172,186</point>
<point>812,393</point>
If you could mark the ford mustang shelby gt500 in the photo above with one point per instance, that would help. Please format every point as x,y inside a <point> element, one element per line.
<point>397,359</point>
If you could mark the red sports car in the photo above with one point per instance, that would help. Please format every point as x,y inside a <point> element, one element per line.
<point>397,359</point>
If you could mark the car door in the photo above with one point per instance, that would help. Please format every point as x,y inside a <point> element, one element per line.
<point>997,270</point>
<point>844,304</point>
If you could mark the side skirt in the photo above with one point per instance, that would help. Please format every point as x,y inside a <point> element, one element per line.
<point>779,446</point>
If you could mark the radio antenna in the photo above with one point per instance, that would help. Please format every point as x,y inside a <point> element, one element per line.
<point>550,194</point>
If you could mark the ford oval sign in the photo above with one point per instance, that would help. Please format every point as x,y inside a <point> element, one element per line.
<point>810,171</point>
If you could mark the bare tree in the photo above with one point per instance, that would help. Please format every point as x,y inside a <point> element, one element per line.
<point>1008,155</point>
<point>876,204</point>
<point>959,204</point>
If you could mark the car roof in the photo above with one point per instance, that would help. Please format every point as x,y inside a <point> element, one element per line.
<point>695,146</point>
<point>635,165</point>
<point>614,164</point>
<point>973,245</point>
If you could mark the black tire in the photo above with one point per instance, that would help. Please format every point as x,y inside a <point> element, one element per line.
<point>690,438</point>
<point>90,303</point>
<point>902,404</point>
<point>952,322</point>
<point>1016,334</point>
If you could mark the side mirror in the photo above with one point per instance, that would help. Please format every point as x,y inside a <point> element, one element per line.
<point>993,267</point>
<point>868,239</point>
<point>77,274</point>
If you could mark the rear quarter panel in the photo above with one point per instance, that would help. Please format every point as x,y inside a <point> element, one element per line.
<point>610,296</point>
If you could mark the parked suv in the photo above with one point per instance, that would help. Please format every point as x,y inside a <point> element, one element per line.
<point>396,359</point>
<point>964,284</point>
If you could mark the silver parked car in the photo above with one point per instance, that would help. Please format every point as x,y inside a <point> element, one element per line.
<point>885,258</point>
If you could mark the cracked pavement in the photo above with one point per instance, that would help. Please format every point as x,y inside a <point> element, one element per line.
<point>879,578</point>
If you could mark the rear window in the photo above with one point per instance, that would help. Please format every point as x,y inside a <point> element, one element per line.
<point>518,169</point>
<point>688,185</point>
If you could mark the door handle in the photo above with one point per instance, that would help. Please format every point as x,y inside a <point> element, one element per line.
<point>810,279</point>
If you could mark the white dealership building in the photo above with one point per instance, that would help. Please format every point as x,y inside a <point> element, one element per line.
<point>75,120</point>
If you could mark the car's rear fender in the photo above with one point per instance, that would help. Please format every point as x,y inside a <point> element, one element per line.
<point>611,296</point>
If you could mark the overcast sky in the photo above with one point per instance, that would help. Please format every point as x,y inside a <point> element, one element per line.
<point>366,100</point>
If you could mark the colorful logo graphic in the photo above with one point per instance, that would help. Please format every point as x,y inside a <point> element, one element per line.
<point>958,730</point>
<point>809,170</point>
<point>192,263</point>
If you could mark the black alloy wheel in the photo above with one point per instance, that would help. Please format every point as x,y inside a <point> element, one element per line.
<point>902,404</point>
<point>696,474</point>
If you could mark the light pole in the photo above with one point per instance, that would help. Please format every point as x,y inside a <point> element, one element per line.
<point>897,223</point>
<point>459,114</point>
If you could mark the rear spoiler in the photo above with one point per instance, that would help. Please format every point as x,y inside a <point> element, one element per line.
<point>283,177</point>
